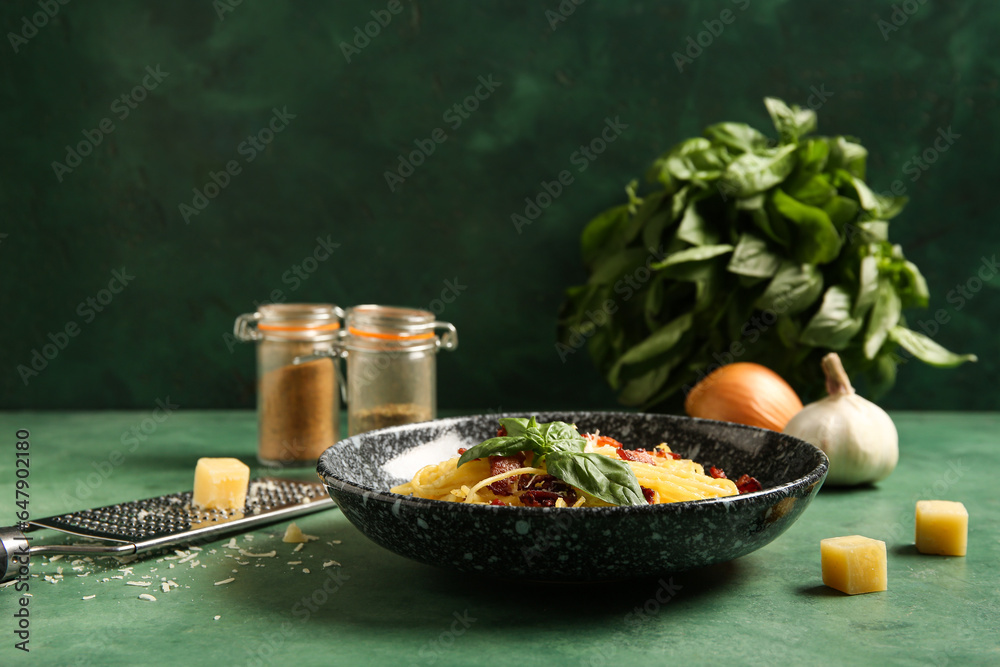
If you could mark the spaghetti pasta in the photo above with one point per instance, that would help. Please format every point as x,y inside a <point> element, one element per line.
<point>524,478</point>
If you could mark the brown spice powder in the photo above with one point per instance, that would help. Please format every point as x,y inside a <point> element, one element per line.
<point>390,414</point>
<point>297,412</point>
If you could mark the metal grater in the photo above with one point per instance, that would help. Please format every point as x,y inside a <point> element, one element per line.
<point>141,525</point>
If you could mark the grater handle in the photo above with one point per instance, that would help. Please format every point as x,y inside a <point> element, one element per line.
<point>14,547</point>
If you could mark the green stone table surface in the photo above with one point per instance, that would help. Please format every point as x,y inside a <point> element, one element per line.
<point>769,607</point>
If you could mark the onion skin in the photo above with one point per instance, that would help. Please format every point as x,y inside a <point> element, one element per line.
<point>744,393</point>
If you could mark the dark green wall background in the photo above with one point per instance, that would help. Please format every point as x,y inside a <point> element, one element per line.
<point>322,176</point>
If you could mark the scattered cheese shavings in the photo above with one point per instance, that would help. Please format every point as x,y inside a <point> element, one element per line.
<point>53,559</point>
<point>331,562</point>
<point>51,580</point>
<point>127,571</point>
<point>335,542</point>
<point>195,548</point>
<point>165,587</point>
<point>217,617</point>
<point>294,534</point>
<point>295,562</point>
<point>269,554</point>
<point>225,581</point>
<point>171,566</point>
<point>248,538</point>
<point>231,544</point>
<point>8,583</point>
<point>137,583</point>
<point>88,597</point>
<point>298,547</point>
<point>305,570</point>
<point>148,597</point>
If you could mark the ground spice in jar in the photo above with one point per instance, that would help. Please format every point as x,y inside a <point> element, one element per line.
<point>297,412</point>
<point>390,414</point>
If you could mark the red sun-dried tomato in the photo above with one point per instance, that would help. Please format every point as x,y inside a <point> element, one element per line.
<point>498,502</point>
<point>502,431</point>
<point>648,494</point>
<point>605,441</point>
<point>640,455</point>
<point>462,450</point>
<point>717,473</point>
<point>748,484</point>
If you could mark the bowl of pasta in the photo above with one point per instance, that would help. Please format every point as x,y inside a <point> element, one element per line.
<point>572,496</point>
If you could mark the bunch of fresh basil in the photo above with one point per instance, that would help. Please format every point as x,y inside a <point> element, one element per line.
<point>748,250</point>
<point>560,447</point>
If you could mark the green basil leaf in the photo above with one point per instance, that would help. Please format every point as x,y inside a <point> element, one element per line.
<point>649,208</point>
<point>791,122</point>
<point>518,426</point>
<point>693,160</point>
<point>832,326</point>
<point>561,437</point>
<point>914,288</point>
<point>752,257</point>
<point>601,476</point>
<point>885,316</point>
<point>816,239</point>
<point>738,136</point>
<point>926,350</point>
<point>774,226</point>
<point>599,233</point>
<point>613,267</point>
<point>751,173</point>
<point>889,207</point>
<point>793,289</point>
<point>813,155</point>
<point>842,211</point>
<point>866,197</point>
<point>506,446</point>
<point>696,254</point>
<point>695,229</point>
<point>847,155</point>
<point>657,343</point>
<point>867,287</point>
<point>638,390</point>
<point>817,191</point>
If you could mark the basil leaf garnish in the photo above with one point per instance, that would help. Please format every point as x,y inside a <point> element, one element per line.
<point>602,477</point>
<point>561,447</point>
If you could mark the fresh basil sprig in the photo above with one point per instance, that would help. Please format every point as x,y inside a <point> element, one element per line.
<point>750,249</point>
<point>560,447</point>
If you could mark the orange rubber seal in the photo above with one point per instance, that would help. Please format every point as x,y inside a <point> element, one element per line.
<point>389,336</point>
<point>323,327</point>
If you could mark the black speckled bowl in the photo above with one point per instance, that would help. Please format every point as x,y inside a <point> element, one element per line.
<point>584,544</point>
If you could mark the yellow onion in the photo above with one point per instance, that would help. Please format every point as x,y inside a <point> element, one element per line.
<point>745,393</point>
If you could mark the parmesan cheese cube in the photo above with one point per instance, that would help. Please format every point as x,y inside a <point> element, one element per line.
<point>220,484</point>
<point>854,564</point>
<point>942,527</point>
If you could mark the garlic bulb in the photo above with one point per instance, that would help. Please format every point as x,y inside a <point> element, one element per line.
<point>745,393</point>
<point>857,435</point>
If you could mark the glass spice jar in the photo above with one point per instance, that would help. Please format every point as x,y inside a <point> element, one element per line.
<point>391,358</point>
<point>297,390</point>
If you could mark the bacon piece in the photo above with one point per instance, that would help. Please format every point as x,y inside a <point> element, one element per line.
<point>500,465</point>
<point>640,455</point>
<point>748,484</point>
<point>717,473</point>
<point>498,502</point>
<point>549,484</point>
<point>502,431</point>
<point>539,498</point>
<point>648,494</point>
<point>662,454</point>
